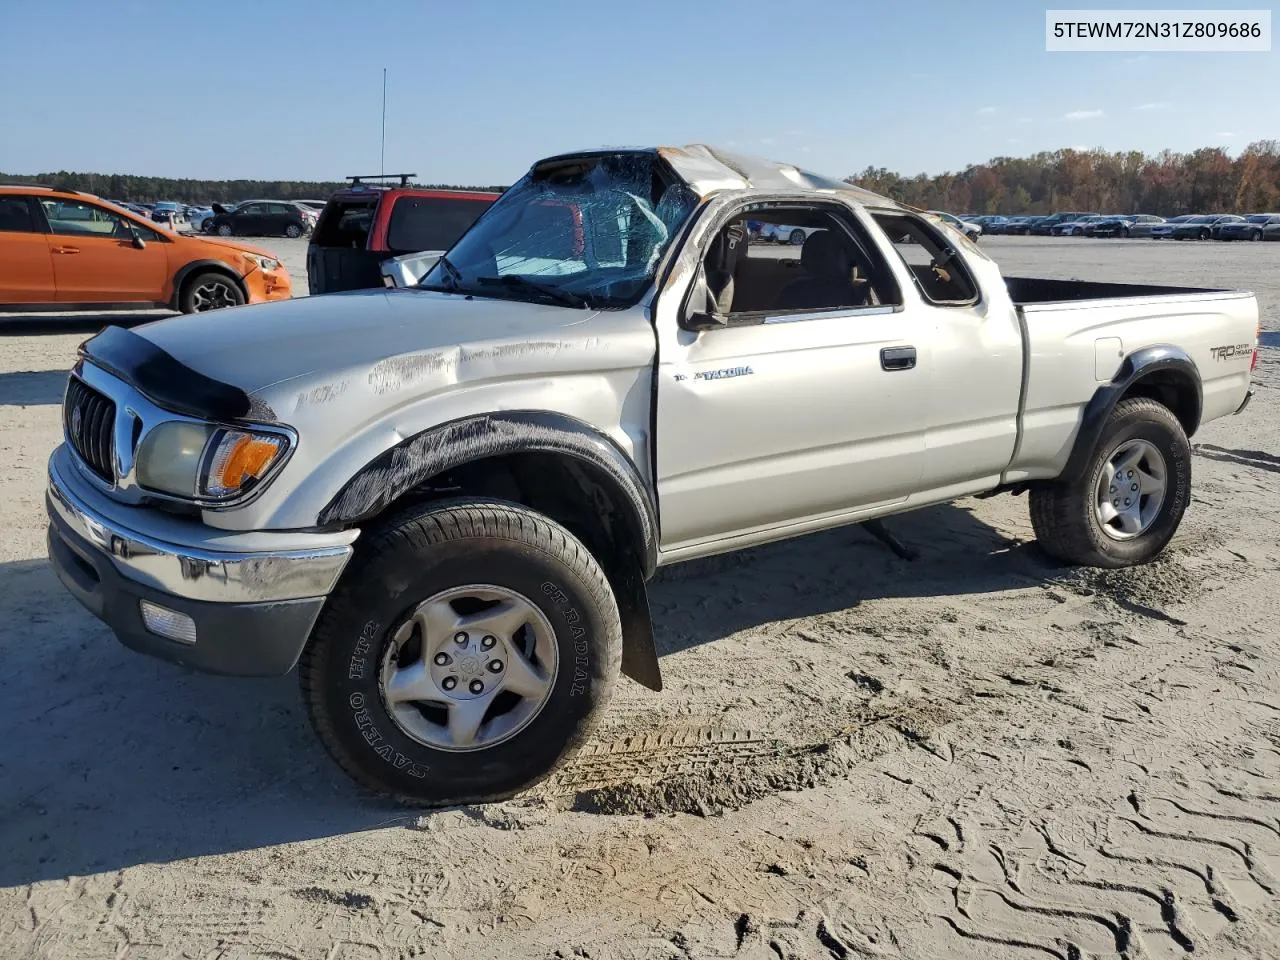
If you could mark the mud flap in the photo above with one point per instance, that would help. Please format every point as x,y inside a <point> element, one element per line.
<point>639,652</point>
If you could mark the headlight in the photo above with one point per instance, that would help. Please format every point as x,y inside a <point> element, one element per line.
<point>263,263</point>
<point>200,461</point>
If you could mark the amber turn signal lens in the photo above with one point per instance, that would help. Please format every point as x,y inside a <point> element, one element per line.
<point>239,459</point>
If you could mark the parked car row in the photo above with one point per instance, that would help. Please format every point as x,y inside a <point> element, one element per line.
<point>1218,226</point>
<point>249,218</point>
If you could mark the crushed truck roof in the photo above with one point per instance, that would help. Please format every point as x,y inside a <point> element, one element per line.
<point>708,169</point>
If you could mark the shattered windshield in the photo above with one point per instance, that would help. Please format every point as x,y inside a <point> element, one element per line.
<point>580,231</point>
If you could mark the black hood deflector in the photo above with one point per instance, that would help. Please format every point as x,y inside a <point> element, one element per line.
<point>165,380</point>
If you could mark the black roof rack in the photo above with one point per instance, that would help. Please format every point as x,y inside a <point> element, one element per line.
<point>358,181</point>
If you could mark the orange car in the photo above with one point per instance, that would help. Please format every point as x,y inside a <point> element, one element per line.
<point>66,250</point>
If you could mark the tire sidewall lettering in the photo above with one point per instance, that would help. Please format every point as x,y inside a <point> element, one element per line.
<point>358,705</point>
<point>577,635</point>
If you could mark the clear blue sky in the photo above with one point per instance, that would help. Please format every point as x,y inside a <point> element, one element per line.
<point>291,89</point>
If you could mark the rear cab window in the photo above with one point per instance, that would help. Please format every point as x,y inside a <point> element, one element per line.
<point>939,272</point>
<point>430,223</point>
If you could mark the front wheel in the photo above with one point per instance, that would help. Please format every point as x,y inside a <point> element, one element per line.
<point>224,229</point>
<point>1128,503</point>
<point>1256,235</point>
<point>467,652</point>
<point>1124,232</point>
<point>210,291</point>
<point>1204,235</point>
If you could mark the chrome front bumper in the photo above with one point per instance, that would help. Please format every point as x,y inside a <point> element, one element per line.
<point>197,572</point>
<point>232,603</point>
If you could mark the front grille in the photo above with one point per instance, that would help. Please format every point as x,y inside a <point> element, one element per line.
<point>90,421</point>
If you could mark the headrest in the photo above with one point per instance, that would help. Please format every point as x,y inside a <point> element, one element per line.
<point>826,254</point>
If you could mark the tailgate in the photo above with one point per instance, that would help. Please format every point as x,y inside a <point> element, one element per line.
<point>333,269</point>
<point>337,256</point>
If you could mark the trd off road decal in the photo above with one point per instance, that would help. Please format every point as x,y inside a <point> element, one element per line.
<point>1231,350</point>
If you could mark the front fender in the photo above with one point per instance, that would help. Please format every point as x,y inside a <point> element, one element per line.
<point>418,458</point>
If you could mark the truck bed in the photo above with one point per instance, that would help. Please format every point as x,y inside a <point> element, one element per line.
<point>1076,334</point>
<point>1030,290</point>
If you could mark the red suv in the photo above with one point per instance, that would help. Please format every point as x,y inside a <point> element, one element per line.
<point>368,223</point>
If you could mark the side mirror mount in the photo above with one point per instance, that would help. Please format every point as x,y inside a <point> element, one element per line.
<point>137,241</point>
<point>700,311</point>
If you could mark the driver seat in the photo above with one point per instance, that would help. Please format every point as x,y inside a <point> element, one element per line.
<point>828,263</point>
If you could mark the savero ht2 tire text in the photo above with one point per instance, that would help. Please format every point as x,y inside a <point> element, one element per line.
<point>467,651</point>
<point>1128,504</point>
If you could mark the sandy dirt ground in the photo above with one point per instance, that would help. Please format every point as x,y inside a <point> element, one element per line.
<point>972,754</point>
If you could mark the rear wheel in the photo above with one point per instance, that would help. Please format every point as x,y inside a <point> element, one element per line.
<point>467,651</point>
<point>1128,503</point>
<point>210,291</point>
<point>797,237</point>
<point>293,231</point>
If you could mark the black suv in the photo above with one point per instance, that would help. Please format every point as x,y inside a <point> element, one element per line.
<point>260,218</point>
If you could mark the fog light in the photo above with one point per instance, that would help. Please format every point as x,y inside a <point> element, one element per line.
<point>168,623</point>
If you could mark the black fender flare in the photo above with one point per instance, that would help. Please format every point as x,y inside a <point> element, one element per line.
<point>416,459</point>
<point>1136,366</point>
<point>187,270</point>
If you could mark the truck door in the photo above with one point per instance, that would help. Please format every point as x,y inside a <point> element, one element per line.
<point>971,415</point>
<point>808,402</point>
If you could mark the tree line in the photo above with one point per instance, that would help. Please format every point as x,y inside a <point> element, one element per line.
<point>151,189</point>
<point>1207,180</point>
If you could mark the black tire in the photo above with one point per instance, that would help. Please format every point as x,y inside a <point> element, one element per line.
<point>797,237</point>
<point>1063,515</point>
<point>414,556</point>
<point>1256,235</point>
<point>293,231</point>
<point>1124,232</point>
<point>210,291</point>
<point>224,230</point>
<point>1204,234</point>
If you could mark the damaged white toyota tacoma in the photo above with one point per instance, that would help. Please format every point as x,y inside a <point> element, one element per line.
<point>442,503</point>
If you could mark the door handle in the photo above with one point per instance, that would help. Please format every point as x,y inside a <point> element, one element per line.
<point>898,358</point>
<point>66,249</point>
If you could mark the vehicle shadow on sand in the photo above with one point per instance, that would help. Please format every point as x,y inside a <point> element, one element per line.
<point>38,324</point>
<point>955,553</point>
<point>28,388</point>
<point>111,759</point>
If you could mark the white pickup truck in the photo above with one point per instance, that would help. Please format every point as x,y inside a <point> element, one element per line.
<point>442,503</point>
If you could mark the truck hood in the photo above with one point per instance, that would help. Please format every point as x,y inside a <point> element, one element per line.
<point>302,353</point>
